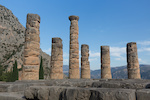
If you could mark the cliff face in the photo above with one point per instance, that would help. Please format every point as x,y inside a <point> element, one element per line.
<point>12,38</point>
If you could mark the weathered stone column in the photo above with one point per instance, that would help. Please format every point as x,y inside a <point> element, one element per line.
<point>85,65</point>
<point>74,72</point>
<point>32,48</point>
<point>132,61</point>
<point>56,59</point>
<point>105,63</point>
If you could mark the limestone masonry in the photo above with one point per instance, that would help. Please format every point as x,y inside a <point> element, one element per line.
<point>132,61</point>
<point>32,48</point>
<point>85,65</point>
<point>76,89</point>
<point>105,63</point>
<point>56,59</point>
<point>74,72</point>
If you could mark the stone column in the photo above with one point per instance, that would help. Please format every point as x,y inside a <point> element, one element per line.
<point>32,48</point>
<point>56,59</point>
<point>74,72</point>
<point>132,61</point>
<point>105,63</point>
<point>85,65</point>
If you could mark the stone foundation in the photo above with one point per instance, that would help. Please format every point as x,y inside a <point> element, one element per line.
<point>76,89</point>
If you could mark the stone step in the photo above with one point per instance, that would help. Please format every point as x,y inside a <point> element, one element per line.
<point>12,96</point>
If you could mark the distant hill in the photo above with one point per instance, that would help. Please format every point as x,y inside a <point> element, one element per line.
<point>117,72</point>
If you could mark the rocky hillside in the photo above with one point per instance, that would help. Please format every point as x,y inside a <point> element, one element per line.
<point>12,38</point>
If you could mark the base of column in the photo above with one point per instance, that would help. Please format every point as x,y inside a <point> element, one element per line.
<point>74,73</point>
<point>30,72</point>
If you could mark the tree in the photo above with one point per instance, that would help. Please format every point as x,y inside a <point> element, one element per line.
<point>41,72</point>
<point>15,72</point>
<point>9,76</point>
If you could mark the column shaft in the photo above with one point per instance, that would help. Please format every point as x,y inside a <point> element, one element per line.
<point>32,48</point>
<point>132,61</point>
<point>105,63</point>
<point>74,49</point>
<point>85,65</point>
<point>56,59</point>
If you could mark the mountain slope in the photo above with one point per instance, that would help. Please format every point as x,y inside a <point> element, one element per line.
<point>12,38</point>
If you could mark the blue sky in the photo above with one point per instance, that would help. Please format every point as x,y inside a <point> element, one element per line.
<point>102,22</point>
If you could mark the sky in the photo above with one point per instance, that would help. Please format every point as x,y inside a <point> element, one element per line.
<point>101,22</point>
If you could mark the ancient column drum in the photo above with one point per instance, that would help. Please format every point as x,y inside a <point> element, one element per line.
<point>74,72</point>
<point>56,71</point>
<point>32,48</point>
<point>85,65</point>
<point>105,63</point>
<point>132,61</point>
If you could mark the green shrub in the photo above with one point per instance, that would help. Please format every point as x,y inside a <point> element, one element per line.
<point>9,76</point>
<point>41,72</point>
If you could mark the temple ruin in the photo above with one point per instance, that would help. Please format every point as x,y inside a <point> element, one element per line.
<point>85,65</point>
<point>31,61</point>
<point>74,72</point>
<point>56,59</point>
<point>32,48</point>
<point>132,61</point>
<point>105,63</point>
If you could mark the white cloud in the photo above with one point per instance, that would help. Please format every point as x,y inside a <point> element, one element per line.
<point>144,49</point>
<point>117,58</point>
<point>94,54</point>
<point>79,52</point>
<point>65,54</point>
<point>66,60</point>
<point>117,51</point>
<point>144,43</point>
<point>48,51</point>
<point>141,61</point>
<point>93,59</point>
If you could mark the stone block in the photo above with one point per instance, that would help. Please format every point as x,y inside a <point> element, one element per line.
<point>143,94</point>
<point>32,45</point>
<point>30,52</point>
<point>31,61</point>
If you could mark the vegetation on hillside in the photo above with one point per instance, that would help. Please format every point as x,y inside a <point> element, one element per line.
<point>9,76</point>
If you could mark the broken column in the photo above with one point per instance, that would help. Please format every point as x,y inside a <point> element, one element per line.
<point>32,48</point>
<point>85,65</point>
<point>132,61</point>
<point>56,59</point>
<point>105,63</point>
<point>74,72</point>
